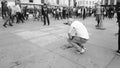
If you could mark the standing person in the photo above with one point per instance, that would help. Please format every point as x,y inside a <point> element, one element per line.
<point>13,13</point>
<point>104,12</point>
<point>18,13</point>
<point>79,12</point>
<point>111,12</point>
<point>45,14</point>
<point>36,14</point>
<point>84,13</point>
<point>78,35</point>
<point>60,9</point>
<point>57,13</point>
<point>2,7</point>
<point>118,21</point>
<point>64,11</point>
<point>99,17</point>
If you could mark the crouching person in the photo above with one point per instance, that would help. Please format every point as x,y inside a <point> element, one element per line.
<point>78,35</point>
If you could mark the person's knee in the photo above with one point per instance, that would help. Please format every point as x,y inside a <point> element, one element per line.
<point>83,41</point>
<point>69,40</point>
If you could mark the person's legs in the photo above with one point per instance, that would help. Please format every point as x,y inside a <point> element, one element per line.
<point>12,18</point>
<point>44,19</point>
<point>17,16</point>
<point>2,14</point>
<point>97,19</point>
<point>5,23</point>
<point>77,42</point>
<point>21,17</point>
<point>118,39</point>
<point>98,22</point>
<point>48,21</point>
<point>10,21</point>
<point>71,43</point>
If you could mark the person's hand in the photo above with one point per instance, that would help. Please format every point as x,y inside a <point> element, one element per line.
<point>69,35</point>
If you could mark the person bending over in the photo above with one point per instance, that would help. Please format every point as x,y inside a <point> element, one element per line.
<point>77,35</point>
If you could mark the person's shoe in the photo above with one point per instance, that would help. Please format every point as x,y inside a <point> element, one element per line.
<point>82,50</point>
<point>78,50</point>
<point>5,26</point>
<point>96,25</point>
<point>10,24</point>
<point>69,46</point>
<point>118,51</point>
<point>116,34</point>
<point>102,28</point>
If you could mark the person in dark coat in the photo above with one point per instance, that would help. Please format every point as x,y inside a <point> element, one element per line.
<point>84,13</point>
<point>2,7</point>
<point>7,15</point>
<point>111,12</point>
<point>118,21</point>
<point>45,14</point>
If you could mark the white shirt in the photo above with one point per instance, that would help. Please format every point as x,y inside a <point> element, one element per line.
<point>79,30</point>
<point>13,10</point>
<point>18,9</point>
<point>79,11</point>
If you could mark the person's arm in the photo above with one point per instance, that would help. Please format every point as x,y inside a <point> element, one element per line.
<point>118,15</point>
<point>70,31</point>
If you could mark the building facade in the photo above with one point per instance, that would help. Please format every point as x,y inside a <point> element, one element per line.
<point>109,2</point>
<point>31,1</point>
<point>51,2</point>
<point>87,3</point>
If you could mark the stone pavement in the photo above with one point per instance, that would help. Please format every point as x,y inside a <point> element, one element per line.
<point>32,45</point>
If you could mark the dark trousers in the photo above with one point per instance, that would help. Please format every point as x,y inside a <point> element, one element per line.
<point>7,21</point>
<point>46,18</point>
<point>19,17</point>
<point>60,15</point>
<point>119,36</point>
<point>57,16</point>
<point>12,17</point>
<point>84,16</point>
<point>3,14</point>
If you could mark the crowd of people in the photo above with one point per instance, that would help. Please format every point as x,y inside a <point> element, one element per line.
<point>12,14</point>
<point>17,13</point>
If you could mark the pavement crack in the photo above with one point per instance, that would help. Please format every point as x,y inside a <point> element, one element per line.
<point>83,66</point>
<point>16,64</point>
<point>110,61</point>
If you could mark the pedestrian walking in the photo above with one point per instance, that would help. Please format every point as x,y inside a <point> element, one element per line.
<point>111,12</point>
<point>45,14</point>
<point>13,13</point>
<point>7,15</point>
<point>84,13</point>
<point>18,13</point>
<point>3,9</point>
<point>99,17</point>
